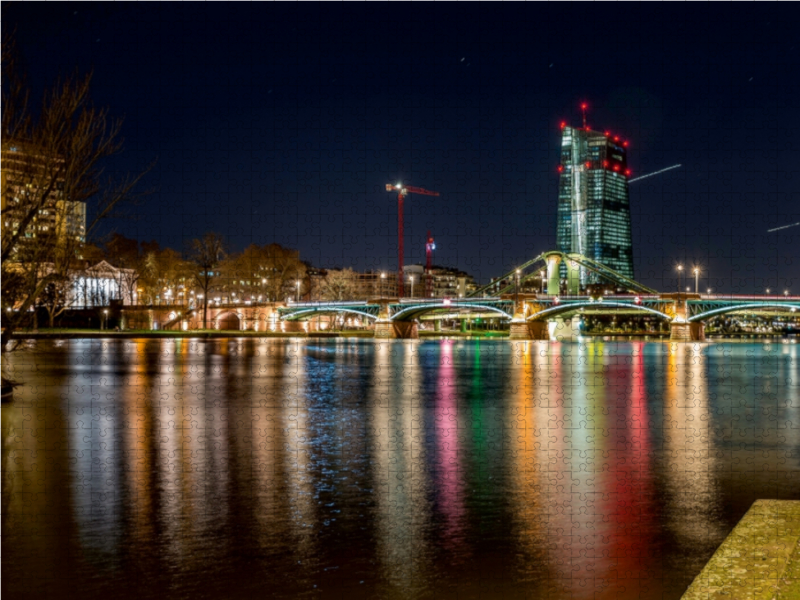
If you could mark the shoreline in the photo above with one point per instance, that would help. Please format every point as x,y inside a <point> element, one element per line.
<point>489,335</point>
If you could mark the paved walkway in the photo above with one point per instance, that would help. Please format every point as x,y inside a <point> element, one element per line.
<point>759,560</point>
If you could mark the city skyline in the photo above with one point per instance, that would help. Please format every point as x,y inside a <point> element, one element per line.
<point>276,125</point>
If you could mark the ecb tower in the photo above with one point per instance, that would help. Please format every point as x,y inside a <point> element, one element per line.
<point>594,216</point>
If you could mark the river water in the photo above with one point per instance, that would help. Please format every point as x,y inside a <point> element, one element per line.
<point>283,468</point>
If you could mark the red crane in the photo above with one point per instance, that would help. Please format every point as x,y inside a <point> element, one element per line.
<point>430,246</point>
<point>402,192</point>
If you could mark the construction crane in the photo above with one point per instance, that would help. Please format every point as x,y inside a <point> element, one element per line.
<point>402,192</point>
<point>430,246</point>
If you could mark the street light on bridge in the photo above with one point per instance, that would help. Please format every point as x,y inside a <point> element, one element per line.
<point>298,290</point>
<point>541,274</point>
<point>411,279</point>
<point>696,272</point>
<point>680,277</point>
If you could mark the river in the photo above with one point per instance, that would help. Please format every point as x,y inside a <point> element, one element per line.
<point>284,468</point>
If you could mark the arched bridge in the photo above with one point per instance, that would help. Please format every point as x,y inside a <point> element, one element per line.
<point>395,317</point>
<point>530,313</point>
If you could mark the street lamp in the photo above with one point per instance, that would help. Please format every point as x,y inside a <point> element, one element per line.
<point>105,317</point>
<point>298,290</point>
<point>411,279</point>
<point>680,277</point>
<point>767,291</point>
<point>516,290</point>
<point>383,281</point>
<point>541,274</point>
<point>785,292</point>
<point>696,272</point>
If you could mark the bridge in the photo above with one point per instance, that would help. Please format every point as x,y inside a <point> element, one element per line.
<point>530,314</point>
<point>551,314</point>
<point>398,318</point>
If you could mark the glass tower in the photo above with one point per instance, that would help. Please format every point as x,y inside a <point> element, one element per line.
<point>594,216</point>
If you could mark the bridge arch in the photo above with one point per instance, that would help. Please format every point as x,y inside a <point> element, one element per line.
<point>228,320</point>
<point>309,313</point>
<point>575,306</point>
<point>414,311</point>
<point>710,314</point>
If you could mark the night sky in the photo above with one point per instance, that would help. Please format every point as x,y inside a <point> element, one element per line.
<point>283,123</point>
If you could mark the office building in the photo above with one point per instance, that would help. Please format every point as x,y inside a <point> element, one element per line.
<point>593,204</point>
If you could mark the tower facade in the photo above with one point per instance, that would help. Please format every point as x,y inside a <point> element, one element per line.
<point>593,207</point>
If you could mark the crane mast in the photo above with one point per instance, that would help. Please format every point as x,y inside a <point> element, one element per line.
<point>402,192</point>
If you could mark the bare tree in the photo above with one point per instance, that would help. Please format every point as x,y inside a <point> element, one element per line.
<point>124,253</point>
<point>206,255</point>
<point>340,285</point>
<point>52,167</point>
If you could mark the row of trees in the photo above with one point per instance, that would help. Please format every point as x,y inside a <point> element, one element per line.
<point>205,271</point>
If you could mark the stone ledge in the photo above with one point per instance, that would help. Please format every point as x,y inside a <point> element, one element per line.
<point>759,560</point>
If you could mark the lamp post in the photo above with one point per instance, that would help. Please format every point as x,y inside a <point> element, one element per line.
<point>383,282</point>
<point>680,277</point>
<point>696,271</point>
<point>516,290</point>
<point>411,279</point>
<point>105,317</point>
<point>298,290</point>
<point>541,274</point>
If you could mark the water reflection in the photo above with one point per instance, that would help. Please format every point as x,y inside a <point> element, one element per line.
<point>394,469</point>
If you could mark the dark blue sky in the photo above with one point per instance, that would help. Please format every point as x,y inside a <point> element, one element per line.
<point>283,123</point>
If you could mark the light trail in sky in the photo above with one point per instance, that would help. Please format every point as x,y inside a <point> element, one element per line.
<point>783,227</point>
<point>654,173</point>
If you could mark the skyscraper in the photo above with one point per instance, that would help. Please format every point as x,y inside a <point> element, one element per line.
<point>593,207</point>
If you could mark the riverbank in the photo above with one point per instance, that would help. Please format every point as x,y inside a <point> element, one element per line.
<point>61,334</point>
<point>56,334</point>
<point>760,559</point>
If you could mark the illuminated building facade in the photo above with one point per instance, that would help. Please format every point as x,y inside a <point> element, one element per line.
<point>593,206</point>
<point>33,183</point>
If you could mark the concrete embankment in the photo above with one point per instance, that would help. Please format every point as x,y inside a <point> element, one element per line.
<point>759,560</point>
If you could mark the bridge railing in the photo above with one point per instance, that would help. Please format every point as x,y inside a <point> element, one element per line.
<point>293,304</point>
<point>451,301</point>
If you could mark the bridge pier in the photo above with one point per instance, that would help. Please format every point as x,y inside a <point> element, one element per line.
<point>293,327</point>
<point>530,330</point>
<point>687,332</point>
<point>567,330</point>
<point>396,330</point>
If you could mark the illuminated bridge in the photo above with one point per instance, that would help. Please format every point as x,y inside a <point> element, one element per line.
<point>550,315</point>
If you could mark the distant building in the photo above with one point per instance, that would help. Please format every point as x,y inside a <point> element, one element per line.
<point>593,205</point>
<point>98,285</point>
<point>27,174</point>
<point>447,282</point>
<point>90,286</point>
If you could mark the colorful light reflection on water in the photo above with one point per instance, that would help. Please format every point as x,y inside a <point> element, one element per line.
<point>403,469</point>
